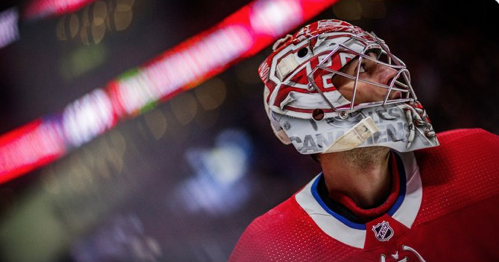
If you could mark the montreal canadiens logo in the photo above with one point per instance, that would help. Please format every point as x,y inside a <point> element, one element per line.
<point>383,231</point>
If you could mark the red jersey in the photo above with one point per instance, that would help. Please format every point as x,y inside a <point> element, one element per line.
<point>445,209</point>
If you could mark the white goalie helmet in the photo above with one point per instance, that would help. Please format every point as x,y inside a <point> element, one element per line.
<point>307,109</point>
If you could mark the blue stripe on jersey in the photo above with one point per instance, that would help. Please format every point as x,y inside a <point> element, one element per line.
<point>345,221</point>
<point>391,211</point>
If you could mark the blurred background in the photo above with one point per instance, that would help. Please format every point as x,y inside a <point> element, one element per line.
<point>180,179</point>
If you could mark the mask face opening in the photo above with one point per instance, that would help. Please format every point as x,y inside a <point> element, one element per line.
<point>369,78</point>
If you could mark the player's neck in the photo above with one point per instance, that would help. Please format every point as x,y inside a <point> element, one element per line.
<point>362,174</point>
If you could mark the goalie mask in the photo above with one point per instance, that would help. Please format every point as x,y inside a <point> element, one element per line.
<point>333,87</point>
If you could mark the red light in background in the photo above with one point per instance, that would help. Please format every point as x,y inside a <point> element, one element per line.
<point>47,8</point>
<point>28,147</point>
<point>241,35</point>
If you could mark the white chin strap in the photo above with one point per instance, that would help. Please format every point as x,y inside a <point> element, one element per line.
<point>354,137</point>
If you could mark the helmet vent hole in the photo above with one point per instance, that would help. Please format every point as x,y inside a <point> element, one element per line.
<point>302,52</point>
<point>318,114</point>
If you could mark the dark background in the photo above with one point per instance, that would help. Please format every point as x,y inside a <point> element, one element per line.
<point>182,181</point>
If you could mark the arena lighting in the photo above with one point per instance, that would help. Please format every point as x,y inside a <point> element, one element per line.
<point>46,8</point>
<point>9,31</point>
<point>35,144</point>
<point>241,35</point>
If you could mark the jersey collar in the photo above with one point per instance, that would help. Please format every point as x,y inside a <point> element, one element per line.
<point>404,210</point>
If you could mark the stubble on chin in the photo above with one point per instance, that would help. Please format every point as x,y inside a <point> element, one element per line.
<point>366,157</point>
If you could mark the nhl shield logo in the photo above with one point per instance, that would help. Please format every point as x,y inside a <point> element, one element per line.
<point>383,231</point>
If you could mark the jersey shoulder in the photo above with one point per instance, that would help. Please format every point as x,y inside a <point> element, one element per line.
<point>286,233</point>
<point>461,151</point>
<point>466,134</point>
<point>459,173</point>
<point>257,239</point>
